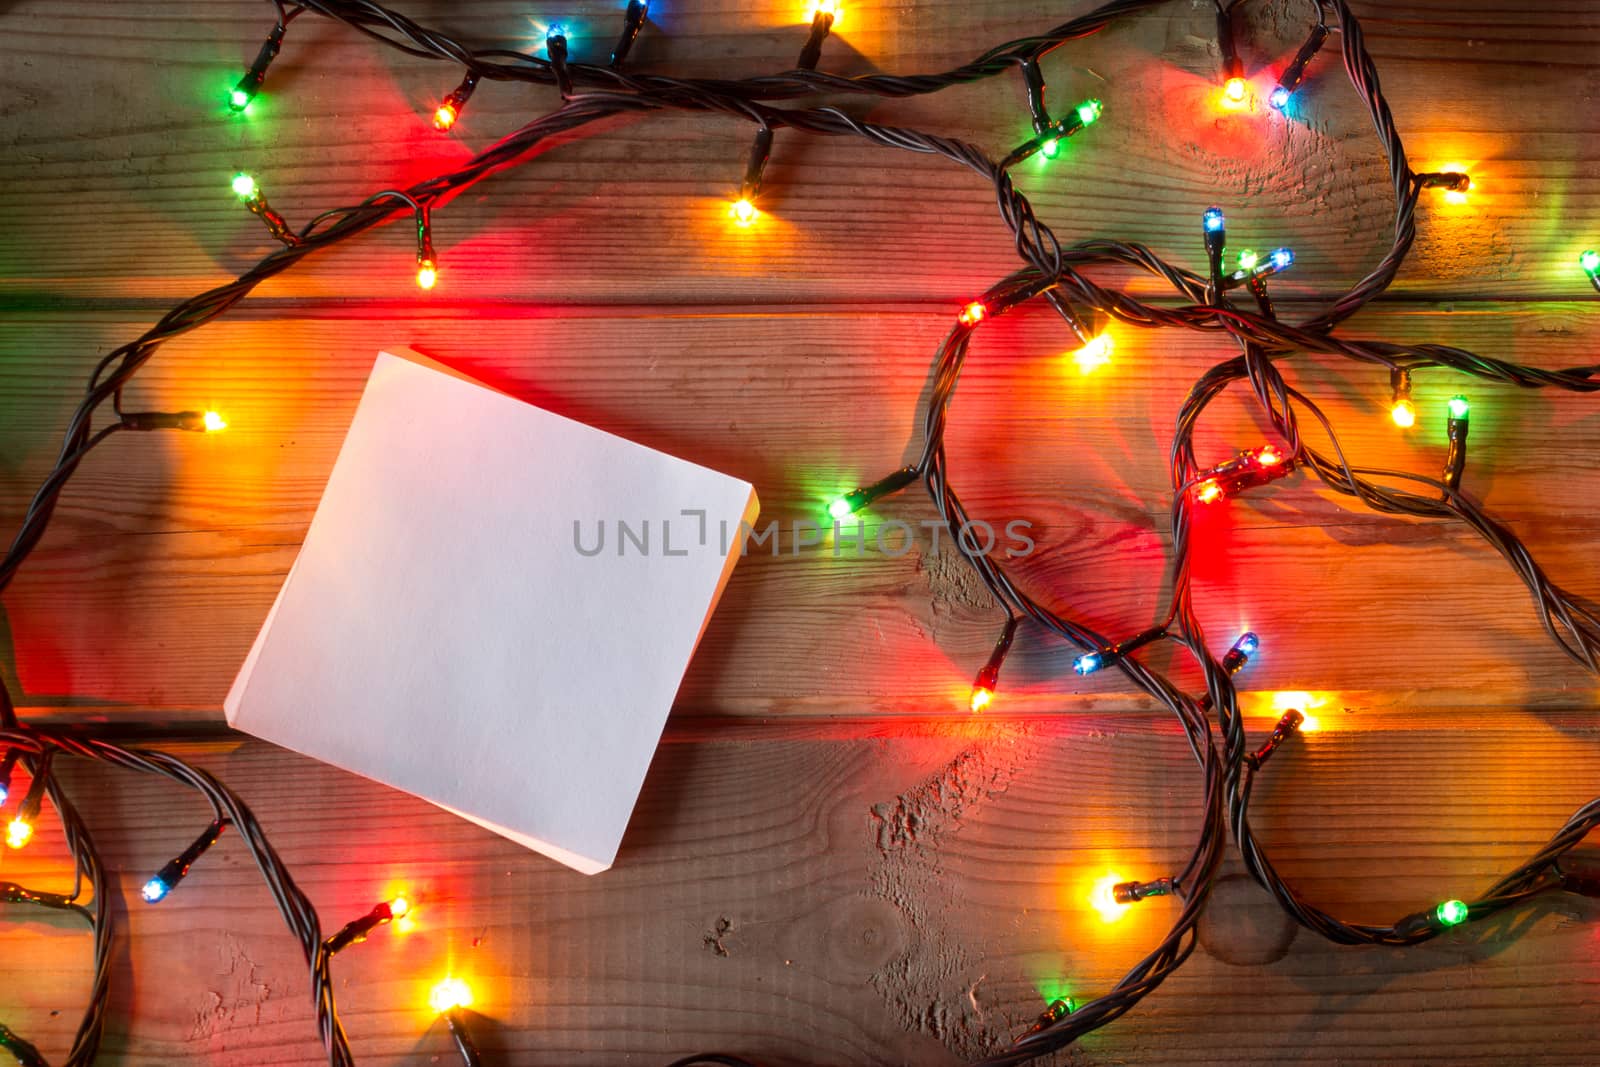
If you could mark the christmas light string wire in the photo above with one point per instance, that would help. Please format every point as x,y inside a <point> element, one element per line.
<point>593,92</point>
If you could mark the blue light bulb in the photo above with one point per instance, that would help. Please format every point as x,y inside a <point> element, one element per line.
<point>155,889</point>
<point>1248,643</point>
<point>1214,220</point>
<point>1283,258</point>
<point>1087,664</point>
<point>4,792</point>
<point>1279,98</point>
<point>555,30</point>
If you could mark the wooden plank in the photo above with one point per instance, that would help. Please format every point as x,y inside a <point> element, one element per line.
<point>169,549</point>
<point>120,151</point>
<point>897,894</point>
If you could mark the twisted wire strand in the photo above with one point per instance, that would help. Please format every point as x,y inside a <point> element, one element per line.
<point>1051,270</point>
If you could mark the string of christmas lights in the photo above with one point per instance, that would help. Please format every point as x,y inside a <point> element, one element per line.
<point>1052,272</point>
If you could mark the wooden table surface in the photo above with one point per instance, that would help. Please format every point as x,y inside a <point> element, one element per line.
<point>831,862</point>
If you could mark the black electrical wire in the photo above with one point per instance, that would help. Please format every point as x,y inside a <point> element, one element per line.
<point>1052,271</point>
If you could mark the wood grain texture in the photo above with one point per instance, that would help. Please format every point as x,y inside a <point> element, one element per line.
<point>827,865</point>
<point>169,550</point>
<point>121,109</point>
<point>821,896</point>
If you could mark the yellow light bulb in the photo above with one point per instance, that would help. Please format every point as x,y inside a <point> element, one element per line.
<point>744,212</point>
<point>19,833</point>
<point>214,422</point>
<point>1404,414</point>
<point>1104,900</point>
<point>448,994</point>
<point>826,7</point>
<point>1096,354</point>
<point>444,117</point>
<point>1235,89</point>
<point>982,697</point>
<point>398,907</point>
<point>1304,702</point>
<point>427,274</point>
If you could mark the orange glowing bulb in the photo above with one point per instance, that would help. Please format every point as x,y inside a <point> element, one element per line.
<point>1268,457</point>
<point>427,274</point>
<point>1235,90</point>
<point>450,994</point>
<point>1209,491</point>
<point>19,833</point>
<point>445,117</point>
<point>1096,354</point>
<point>974,313</point>
<point>1404,414</point>
<point>982,697</point>
<point>1103,898</point>
<point>744,212</point>
<point>826,7</point>
<point>398,907</point>
<point>213,422</point>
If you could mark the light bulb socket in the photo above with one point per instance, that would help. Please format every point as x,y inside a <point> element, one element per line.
<point>23,1052</point>
<point>1451,180</point>
<point>755,167</point>
<point>1033,83</point>
<point>990,674</point>
<point>1295,72</point>
<point>1457,426</point>
<point>857,499</point>
<point>256,76</point>
<point>1287,726</point>
<point>1239,655</point>
<point>144,421</point>
<point>811,54</point>
<point>1231,66</point>
<point>555,46</point>
<point>167,879</point>
<point>12,893</point>
<point>355,932</point>
<point>33,799</point>
<point>1133,892</point>
<point>1059,1009</point>
<point>455,1020</point>
<point>632,23</point>
<point>456,101</point>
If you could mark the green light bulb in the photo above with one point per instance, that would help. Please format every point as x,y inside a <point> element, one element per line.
<point>1452,913</point>
<point>1590,261</point>
<point>244,186</point>
<point>1089,111</point>
<point>1459,408</point>
<point>840,509</point>
<point>1051,148</point>
<point>1248,260</point>
<point>238,100</point>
